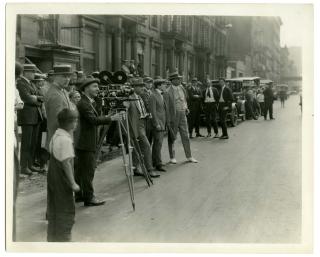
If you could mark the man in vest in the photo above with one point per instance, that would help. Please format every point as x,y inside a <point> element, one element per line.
<point>225,105</point>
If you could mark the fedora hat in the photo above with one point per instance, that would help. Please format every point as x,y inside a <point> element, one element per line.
<point>137,82</point>
<point>147,80</point>
<point>88,82</point>
<point>29,67</point>
<point>174,75</point>
<point>62,69</point>
<point>159,81</point>
<point>194,79</point>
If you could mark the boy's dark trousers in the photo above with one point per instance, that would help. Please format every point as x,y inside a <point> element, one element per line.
<point>210,110</point>
<point>194,117</point>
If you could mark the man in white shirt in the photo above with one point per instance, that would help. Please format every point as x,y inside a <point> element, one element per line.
<point>211,100</point>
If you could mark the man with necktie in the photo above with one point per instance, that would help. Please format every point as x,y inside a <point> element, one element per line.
<point>86,144</point>
<point>57,98</point>
<point>29,118</point>
<point>225,105</point>
<point>138,115</point>
<point>211,100</point>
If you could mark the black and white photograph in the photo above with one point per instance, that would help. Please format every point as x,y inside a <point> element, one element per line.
<point>169,126</point>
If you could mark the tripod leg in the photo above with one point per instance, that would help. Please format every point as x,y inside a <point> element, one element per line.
<point>101,139</point>
<point>136,149</point>
<point>126,168</point>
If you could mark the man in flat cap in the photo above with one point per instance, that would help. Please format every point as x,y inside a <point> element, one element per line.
<point>57,98</point>
<point>138,116</point>
<point>29,118</point>
<point>86,145</point>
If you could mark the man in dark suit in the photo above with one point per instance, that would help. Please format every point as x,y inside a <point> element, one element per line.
<point>268,102</point>
<point>225,105</point>
<point>211,100</point>
<point>86,145</point>
<point>195,101</point>
<point>145,95</point>
<point>159,120</point>
<point>29,118</point>
<point>138,115</point>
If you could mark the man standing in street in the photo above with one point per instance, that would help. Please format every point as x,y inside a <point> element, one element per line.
<point>211,98</point>
<point>138,116</point>
<point>29,118</point>
<point>268,102</point>
<point>225,105</point>
<point>86,144</point>
<point>145,95</point>
<point>176,101</point>
<point>195,101</point>
<point>57,98</point>
<point>159,119</point>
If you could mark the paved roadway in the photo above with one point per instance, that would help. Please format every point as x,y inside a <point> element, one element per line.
<point>244,190</point>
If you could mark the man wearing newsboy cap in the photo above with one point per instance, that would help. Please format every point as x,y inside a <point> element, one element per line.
<point>29,118</point>
<point>86,144</point>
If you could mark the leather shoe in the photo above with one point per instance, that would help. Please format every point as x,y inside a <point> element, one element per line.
<point>138,173</point>
<point>160,168</point>
<point>154,174</point>
<point>94,202</point>
<point>26,172</point>
<point>199,135</point>
<point>224,137</point>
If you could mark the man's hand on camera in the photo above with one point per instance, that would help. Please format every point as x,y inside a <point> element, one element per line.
<point>117,116</point>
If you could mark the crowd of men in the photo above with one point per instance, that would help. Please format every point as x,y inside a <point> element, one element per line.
<point>161,107</point>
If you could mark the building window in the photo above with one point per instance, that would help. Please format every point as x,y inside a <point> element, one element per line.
<point>90,46</point>
<point>154,21</point>
<point>155,58</point>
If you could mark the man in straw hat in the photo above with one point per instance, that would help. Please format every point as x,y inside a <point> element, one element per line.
<point>57,98</point>
<point>176,101</point>
<point>29,118</point>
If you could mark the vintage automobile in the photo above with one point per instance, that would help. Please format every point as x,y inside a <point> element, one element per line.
<point>238,87</point>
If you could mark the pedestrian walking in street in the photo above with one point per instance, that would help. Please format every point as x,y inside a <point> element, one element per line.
<point>60,181</point>
<point>176,101</point>
<point>268,100</point>
<point>225,102</point>
<point>86,144</point>
<point>29,118</point>
<point>138,116</point>
<point>57,98</point>
<point>211,99</point>
<point>159,120</point>
<point>283,97</point>
<point>194,104</point>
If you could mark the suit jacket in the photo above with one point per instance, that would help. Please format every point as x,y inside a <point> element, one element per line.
<point>268,95</point>
<point>31,113</point>
<point>215,94</point>
<point>158,110</point>
<point>56,100</point>
<point>170,103</point>
<point>192,91</point>
<point>134,116</point>
<point>88,128</point>
<point>227,97</point>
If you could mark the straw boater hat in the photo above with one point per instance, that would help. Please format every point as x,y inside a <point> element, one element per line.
<point>39,77</point>
<point>62,69</point>
<point>88,82</point>
<point>29,67</point>
<point>174,75</point>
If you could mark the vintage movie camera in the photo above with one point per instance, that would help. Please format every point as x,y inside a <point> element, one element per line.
<point>114,89</point>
